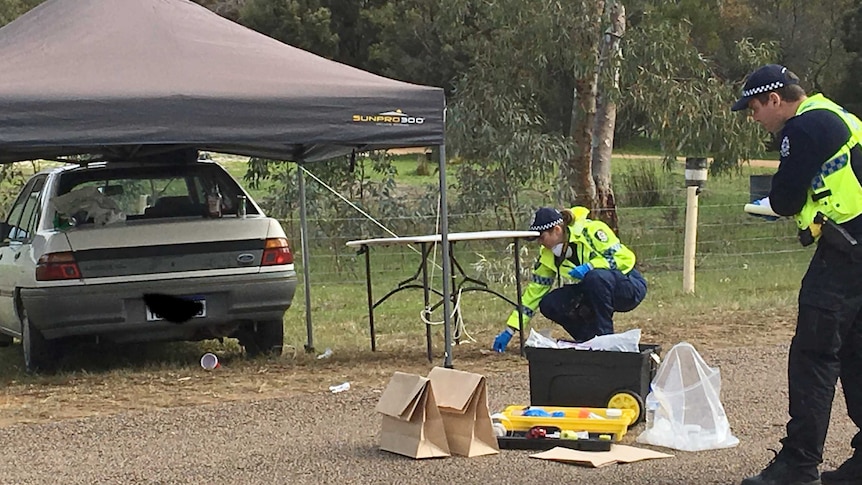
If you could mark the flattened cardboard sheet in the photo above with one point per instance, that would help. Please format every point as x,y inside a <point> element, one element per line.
<point>595,459</point>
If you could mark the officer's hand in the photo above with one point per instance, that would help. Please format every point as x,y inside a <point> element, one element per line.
<point>578,272</point>
<point>503,339</point>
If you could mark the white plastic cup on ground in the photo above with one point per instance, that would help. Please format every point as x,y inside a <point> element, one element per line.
<point>209,361</point>
<point>340,388</point>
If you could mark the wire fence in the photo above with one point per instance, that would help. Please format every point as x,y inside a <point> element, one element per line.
<point>726,235</point>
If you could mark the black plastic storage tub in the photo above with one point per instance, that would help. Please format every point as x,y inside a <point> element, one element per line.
<point>592,378</point>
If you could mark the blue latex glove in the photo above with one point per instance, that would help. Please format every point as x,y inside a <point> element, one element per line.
<point>581,270</point>
<point>537,412</point>
<point>503,339</point>
<point>764,201</point>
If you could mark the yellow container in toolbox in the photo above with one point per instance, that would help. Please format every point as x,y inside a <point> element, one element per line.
<point>614,422</point>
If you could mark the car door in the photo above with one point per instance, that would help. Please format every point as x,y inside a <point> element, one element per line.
<point>17,233</point>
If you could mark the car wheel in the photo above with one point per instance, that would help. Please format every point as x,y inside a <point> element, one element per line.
<point>270,337</point>
<point>265,338</point>
<point>38,352</point>
<point>5,340</point>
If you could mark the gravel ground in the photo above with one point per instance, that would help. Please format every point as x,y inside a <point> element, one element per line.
<point>332,438</point>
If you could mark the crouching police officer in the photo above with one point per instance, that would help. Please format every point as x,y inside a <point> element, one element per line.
<point>584,252</point>
<point>817,182</point>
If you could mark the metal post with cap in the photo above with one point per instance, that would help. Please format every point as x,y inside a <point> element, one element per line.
<point>695,179</point>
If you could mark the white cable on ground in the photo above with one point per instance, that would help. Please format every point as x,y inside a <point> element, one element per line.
<point>460,327</point>
<point>436,231</point>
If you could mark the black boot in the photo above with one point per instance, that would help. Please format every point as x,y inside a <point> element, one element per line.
<point>779,471</point>
<point>849,473</point>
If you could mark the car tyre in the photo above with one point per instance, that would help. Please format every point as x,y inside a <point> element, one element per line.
<point>38,351</point>
<point>266,338</point>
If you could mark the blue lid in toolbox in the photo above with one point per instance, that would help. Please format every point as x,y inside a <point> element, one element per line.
<point>592,378</point>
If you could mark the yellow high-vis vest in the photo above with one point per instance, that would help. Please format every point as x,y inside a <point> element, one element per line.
<point>834,191</point>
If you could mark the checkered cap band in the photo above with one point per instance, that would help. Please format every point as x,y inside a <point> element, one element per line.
<point>546,218</point>
<point>762,89</point>
<point>545,227</point>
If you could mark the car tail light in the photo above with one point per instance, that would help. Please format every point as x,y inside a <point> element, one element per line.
<point>276,252</point>
<point>57,266</point>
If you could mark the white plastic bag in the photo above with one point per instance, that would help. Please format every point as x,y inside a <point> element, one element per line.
<point>622,342</point>
<point>104,210</point>
<point>536,339</point>
<point>689,415</point>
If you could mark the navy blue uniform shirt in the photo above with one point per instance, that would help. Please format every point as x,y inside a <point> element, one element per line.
<point>805,143</point>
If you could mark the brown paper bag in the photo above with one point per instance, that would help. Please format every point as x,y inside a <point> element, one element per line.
<point>463,401</point>
<point>412,425</point>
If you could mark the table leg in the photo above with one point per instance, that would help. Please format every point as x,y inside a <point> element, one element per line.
<point>427,296</point>
<point>456,293</point>
<point>518,289</point>
<point>367,252</point>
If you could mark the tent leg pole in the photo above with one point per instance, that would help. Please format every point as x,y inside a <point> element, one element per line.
<point>447,267</point>
<point>303,224</point>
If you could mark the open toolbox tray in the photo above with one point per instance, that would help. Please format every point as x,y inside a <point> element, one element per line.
<point>542,444</point>
<point>572,418</point>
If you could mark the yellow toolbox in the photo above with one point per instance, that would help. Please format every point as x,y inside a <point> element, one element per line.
<point>612,423</point>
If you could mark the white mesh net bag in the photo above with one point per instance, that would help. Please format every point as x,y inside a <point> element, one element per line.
<point>683,409</point>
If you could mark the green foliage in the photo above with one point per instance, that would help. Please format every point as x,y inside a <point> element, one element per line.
<point>509,69</point>
<point>850,91</point>
<point>809,34</point>
<point>415,43</point>
<point>644,184</point>
<point>423,168</point>
<point>357,29</point>
<point>12,179</point>
<point>12,9</point>
<point>637,145</point>
<point>682,103</point>
<point>369,182</point>
<point>226,8</point>
<point>302,23</point>
<point>504,152</point>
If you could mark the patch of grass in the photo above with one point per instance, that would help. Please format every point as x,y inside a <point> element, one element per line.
<point>639,145</point>
<point>644,184</point>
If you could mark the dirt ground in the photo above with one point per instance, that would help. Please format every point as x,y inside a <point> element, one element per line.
<point>141,385</point>
<point>275,421</point>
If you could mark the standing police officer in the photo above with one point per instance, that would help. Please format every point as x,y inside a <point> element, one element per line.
<point>817,182</point>
<point>589,255</point>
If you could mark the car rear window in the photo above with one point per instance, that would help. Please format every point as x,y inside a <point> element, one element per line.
<point>157,191</point>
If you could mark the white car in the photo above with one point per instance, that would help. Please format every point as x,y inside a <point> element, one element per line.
<point>83,244</point>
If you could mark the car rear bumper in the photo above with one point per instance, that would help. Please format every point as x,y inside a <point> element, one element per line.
<point>117,311</point>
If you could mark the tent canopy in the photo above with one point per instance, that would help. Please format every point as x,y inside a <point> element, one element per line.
<point>130,77</point>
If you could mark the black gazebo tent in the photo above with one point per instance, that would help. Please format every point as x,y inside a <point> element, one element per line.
<point>122,78</point>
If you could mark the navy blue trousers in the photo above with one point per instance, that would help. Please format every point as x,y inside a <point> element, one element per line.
<point>586,309</point>
<point>827,346</point>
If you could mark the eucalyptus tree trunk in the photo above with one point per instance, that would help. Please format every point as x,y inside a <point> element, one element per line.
<point>606,117</point>
<point>578,169</point>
